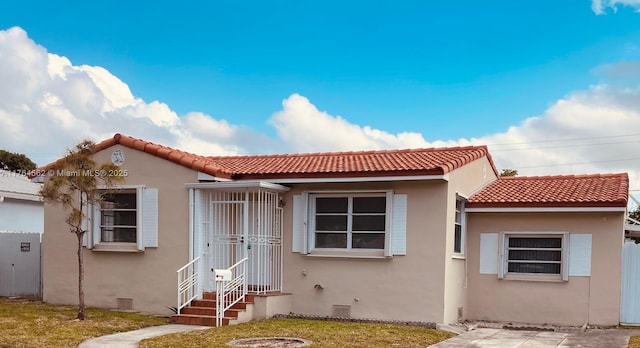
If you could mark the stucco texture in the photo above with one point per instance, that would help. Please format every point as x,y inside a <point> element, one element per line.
<point>464,181</point>
<point>426,284</point>
<point>593,299</point>
<point>149,277</point>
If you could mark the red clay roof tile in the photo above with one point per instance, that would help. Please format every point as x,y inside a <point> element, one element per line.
<point>600,190</point>
<point>543,191</point>
<point>433,161</point>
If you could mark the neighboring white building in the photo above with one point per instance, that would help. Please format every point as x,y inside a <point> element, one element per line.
<point>21,208</point>
<point>21,228</point>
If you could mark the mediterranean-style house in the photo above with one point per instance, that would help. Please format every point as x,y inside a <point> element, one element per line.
<point>430,235</point>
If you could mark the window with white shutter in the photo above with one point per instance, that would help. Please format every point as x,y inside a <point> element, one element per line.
<point>356,223</point>
<point>126,219</point>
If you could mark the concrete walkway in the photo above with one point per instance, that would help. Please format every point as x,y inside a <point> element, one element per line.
<point>133,338</point>
<point>500,338</point>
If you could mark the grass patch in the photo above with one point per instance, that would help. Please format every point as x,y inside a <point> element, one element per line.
<point>322,333</point>
<point>634,342</point>
<point>29,323</point>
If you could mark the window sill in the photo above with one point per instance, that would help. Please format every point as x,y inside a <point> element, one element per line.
<point>117,247</point>
<point>552,278</point>
<point>458,257</point>
<point>348,254</point>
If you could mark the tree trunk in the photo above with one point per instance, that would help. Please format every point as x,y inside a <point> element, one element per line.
<point>80,277</point>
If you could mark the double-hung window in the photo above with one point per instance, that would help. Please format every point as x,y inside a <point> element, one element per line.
<point>349,221</point>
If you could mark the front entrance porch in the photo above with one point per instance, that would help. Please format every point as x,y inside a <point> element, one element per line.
<point>235,244</point>
<point>253,307</point>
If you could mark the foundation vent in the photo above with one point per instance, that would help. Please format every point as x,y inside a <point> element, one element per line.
<point>341,311</point>
<point>460,313</point>
<point>124,304</point>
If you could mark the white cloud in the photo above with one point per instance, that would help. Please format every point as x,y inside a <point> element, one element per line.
<point>206,126</point>
<point>592,131</point>
<point>303,127</point>
<point>599,6</point>
<point>47,103</point>
<point>582,133</point>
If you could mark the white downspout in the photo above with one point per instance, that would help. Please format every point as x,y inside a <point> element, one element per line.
<point>245,252</point>
<point>191,225</point>
<point>193,249</point>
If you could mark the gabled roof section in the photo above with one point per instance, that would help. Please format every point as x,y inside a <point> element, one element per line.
<point>186,159</point>
<point>408,162</point>
<point>601,190</point>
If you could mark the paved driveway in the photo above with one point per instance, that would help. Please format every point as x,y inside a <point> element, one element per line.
<point>500,338</point>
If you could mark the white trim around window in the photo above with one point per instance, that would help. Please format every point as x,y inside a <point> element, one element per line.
<point>349,221</point>
<point>578,249</point>
<point>459,227</point>
<point>367,224</point>
<point>534,256</point>
<point>129,227</point>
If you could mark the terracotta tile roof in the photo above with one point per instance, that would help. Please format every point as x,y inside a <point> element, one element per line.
<point>186,159</point>
<point>603,190</point>
<point>433,161</point>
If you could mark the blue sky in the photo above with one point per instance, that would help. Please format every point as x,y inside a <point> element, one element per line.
<point>294,76</point>
<point>400,66</point>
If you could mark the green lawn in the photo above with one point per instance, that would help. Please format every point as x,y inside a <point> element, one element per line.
<point>322,333</point>
<point>27,323</point>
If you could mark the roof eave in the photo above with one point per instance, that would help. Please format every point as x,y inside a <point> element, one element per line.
<point>238,185</point>
<point>397,175</point>
<point>294,178</point>
<point>618,205</point>
<point>533,204</point>
<point>21,196</point>
<point>546,209</point>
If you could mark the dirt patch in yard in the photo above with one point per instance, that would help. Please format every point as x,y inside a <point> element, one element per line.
<point>270,342</point>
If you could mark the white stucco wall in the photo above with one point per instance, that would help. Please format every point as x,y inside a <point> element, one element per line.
<point>21,215</point>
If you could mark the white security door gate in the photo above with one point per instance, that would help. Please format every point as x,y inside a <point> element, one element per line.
<point>630,302</point>
<point>246,224</point>
<point>265,243</point>
<point>227,231</point>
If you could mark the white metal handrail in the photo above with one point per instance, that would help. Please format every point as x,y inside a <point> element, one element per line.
<point>188,279</point>
<point>231,291</point>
